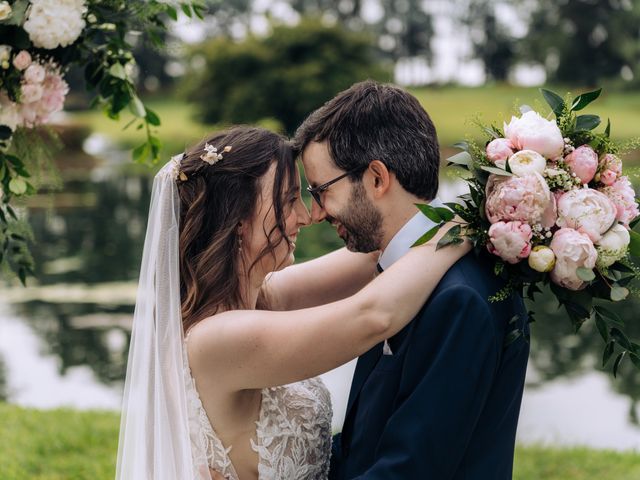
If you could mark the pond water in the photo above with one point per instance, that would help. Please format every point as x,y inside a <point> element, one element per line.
<point>63,341</point>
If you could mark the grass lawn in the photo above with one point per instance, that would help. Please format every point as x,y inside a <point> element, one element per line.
<point>71,445</point>
<point>452,109</point>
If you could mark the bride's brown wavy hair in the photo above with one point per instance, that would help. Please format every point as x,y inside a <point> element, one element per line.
<point>214,200</point>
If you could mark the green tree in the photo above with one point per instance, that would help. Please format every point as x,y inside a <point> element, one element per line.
<point>283,76</point>
<point>584,41</point>
<point>492,42</point>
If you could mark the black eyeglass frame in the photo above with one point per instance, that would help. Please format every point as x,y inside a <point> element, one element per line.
<point>316,192</point>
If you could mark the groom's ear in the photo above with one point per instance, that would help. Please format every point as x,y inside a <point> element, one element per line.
<point>380,178</point>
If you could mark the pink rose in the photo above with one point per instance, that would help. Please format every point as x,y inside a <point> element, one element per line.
<point>30,93</point>
<point>517,198</point>
<point>34,73</point>
<point>499,150</point>
<point>586,210</point>
<point>611,162</point>
<point>583,161</point>
<point>608,177</point>
<point>623,196</point>
<point>572,250</point>
<point>610,169</point>
<point>532,132</point>
<point>22,60</point>
<point>511,241</point>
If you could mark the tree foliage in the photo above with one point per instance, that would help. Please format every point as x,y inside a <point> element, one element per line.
<point>584,41</point>
<point>283,76</point>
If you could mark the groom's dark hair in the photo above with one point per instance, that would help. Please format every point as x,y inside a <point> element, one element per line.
<point>373,121</point>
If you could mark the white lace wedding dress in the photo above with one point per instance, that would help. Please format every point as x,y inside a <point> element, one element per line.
<point>293,433</point>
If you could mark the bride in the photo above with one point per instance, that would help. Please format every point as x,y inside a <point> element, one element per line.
<point>227,343</point>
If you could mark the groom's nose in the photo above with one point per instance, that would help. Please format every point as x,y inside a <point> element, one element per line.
<point>318,214</point>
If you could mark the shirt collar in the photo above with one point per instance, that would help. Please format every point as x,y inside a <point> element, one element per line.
<point>401,242</point>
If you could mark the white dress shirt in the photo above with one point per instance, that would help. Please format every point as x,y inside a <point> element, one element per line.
<point>401,242</point>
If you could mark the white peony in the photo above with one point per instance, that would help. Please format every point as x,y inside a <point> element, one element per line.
<point>5,10</point>
<point>612,246</point>
<point>586,210</point>
<point>54,23</point>
<point>527,162</point>
<point>532,132</point>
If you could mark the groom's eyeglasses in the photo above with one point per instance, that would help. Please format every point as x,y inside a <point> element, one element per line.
<point>316,192</point>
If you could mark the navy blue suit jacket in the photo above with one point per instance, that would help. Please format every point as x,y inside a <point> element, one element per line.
<point>445,405</point>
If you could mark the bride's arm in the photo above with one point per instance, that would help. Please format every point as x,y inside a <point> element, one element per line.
<point>328,278</point>
<point>246,349</point>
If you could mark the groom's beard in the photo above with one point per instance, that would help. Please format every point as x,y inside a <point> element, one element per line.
<point>360,224</point>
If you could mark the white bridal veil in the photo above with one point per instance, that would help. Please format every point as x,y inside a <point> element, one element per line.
<point>154,430</point>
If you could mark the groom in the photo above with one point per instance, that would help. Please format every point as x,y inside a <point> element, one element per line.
<point>439,400</point>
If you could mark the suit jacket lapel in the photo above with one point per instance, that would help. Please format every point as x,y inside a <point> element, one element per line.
<point>363,368</point>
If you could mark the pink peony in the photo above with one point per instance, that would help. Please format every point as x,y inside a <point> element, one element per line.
<point>623,196</point>
<point>583,161</point>
<point>586,210</point>
<point>532,132</point>
<point>572,250</point>
<point>517,198</point>
<point>22,60</point>
<point>34,73</point>
<point>54,90</point>
<point>511,241</point>
<point>499,150</point>
<point>30,93</point>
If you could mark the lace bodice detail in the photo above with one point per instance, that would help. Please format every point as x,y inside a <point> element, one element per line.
<point>293,433</point>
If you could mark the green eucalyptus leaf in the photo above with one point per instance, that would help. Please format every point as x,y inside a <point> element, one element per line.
<point>462,145</point>
<point>462,158</point>
<point>497,171</point>
<point>186,9</point>
<point>17,186</point>
<point>153,118</point>
<point>117,70</point>
<point>585,99</point>
<point>620,337</point>
<point>618,293</point>
<point>607,131</point>
<point>427,236</point>
<point>608,353</point>
<point>137,107</point>
<point>602,327</point>
<point>430,212</point>
<point>616,364</point>
<point>445,214</point>
<point>608,314</point>
<point>452,237</point>
<point>585,274</point>
<point>172,12</point>
<point>554,100</point>
<point>141,153</point>
<point>587,122</point>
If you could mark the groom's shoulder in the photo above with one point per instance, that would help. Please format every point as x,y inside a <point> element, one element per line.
<point>471,274</point>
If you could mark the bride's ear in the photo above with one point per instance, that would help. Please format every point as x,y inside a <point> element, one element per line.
<point>380,178</point>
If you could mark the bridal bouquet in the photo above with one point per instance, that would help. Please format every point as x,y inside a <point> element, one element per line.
<point>549,200</point>
<point>39,41</point>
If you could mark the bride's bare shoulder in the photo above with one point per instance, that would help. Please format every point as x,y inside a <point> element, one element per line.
<point>213,340</point>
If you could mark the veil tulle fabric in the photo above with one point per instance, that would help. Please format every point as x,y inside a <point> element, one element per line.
<point>155,429</point>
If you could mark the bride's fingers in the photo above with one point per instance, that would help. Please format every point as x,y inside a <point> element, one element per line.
<point>215,475</point>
